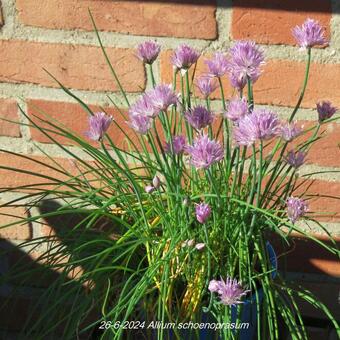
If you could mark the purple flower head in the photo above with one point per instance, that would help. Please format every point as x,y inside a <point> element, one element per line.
<point>199,117</point>
<point>149,189</point>
<point>290,131</point>
<point>144,106</point>
<point>200,246</point>
<point>184,56</point>
<point>245,62</point>
<point>218,66</point>
<point>140,123</point>
<point>259,125</point>
<point>204,152</point>
<point>98,125</point>
<point>237,80</point>
<point>295,159</point>
<point>206,85</point>
<point>162,96</point>
<point>148,51</point>
<point>325,110</point>
<point>296,207</point>
<point>178,145</point>
<point>237,109</point>
<point>203,212</point>
<point>309,34</point>
<point>230,291</point>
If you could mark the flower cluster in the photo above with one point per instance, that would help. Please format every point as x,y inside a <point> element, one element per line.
<point>98,125</point>
<point>199,117</point>
<point>148,51</point>
<point>237,109</point>
<point>204,152</point>
<point>149,105</point>
<point>245,63</point>
<point>207,85</point>
<point>178,145</point>
<point>229,290</point>
<point>183,57</point>
<point>309,34</point>
<point>325,110</point>
<point>296,207</point>
<point>203,212</point>
<point>261,124</point>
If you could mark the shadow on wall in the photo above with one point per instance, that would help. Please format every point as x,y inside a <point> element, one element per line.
<point>286,5</point>
<point>26,303</point>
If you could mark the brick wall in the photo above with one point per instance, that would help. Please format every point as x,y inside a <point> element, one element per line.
<point>57,35</point>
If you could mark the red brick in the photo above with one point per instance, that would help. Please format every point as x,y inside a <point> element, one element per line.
<point>163,18</point>
<point>12,179</point>
<point>20,231</point>
<point>281,82</point>
<point>73,117</point>
<point>325,208</point>
<point>80,67</point>
<point>325,151</point>
<point>201,68</point>
<point>9,111</point>
<point>271,21</point>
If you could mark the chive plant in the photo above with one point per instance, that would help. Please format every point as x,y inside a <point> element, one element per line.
<point>175,226</point>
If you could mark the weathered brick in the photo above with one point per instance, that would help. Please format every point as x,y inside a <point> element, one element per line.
<point>163,18</point>
<point>9,111</point>
<point>20,231</point>
<point>80,67</point>
<point>201,69</point>
<point>323,198</point>
<point>13,179</point>
<point>271,21</point>
<point>325,151</point>
<point>74,118</point>
<point>281,82</point>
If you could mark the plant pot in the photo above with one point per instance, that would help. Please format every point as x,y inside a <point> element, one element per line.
<point>249,308</point>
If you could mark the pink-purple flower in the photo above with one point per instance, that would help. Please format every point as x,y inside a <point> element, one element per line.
<point>184,56</point>
<point>203,212</point>
<point>237,109</point>
<point>245,61</point>
<point>148,51</point>
<point>218,65</point>
<point>98,125</point>
<point>310,34</point>
<point>296,207</point>
<point>144,106</point>
<point>259,125</point>
<point>162,96</point>
<point>140,123</point>
<point>290,131</point>
<point>325,110</point>
<point>295,158</point>
<point>230,291</point>
<point>206,85</point>
<point>178,145</point>
<point>199,117</point>
<point>204,152</point>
